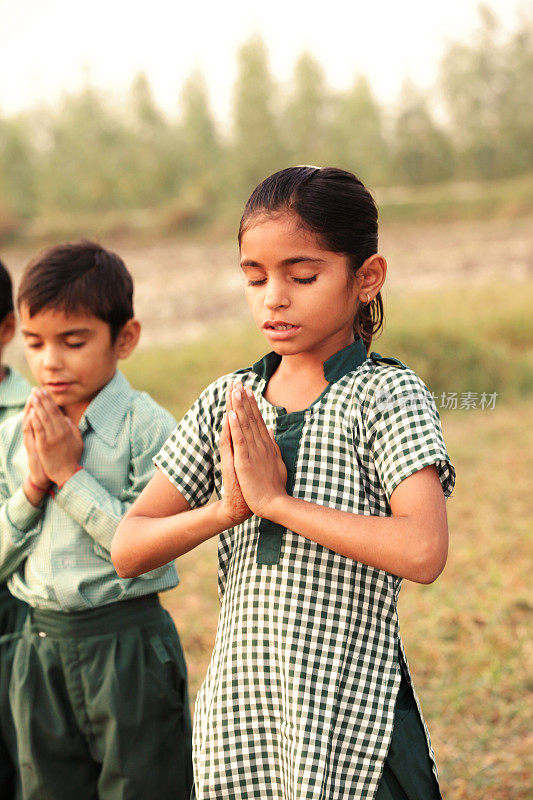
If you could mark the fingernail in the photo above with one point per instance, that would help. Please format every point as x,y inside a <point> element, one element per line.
<point>237,394</point>
<point>249,392</point>
<point>232,415</point>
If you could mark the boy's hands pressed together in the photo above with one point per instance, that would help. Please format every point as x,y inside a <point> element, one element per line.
<point>260,469</point>
<point>38,483</point>
<point>234,504</point>
<point>58,441</point>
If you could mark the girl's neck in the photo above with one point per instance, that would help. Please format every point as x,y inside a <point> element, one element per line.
<point>294,391</point>
<point>297,382</point>
<point>309,365</point>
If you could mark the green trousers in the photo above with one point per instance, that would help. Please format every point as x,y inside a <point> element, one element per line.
<point>408,773</point>
<point>100,705</point>
<point>12,616</point>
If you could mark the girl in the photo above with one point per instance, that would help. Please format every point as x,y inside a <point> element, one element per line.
<point>330,474</point>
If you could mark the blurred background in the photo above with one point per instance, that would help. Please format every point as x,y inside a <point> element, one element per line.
<point>148,127</point>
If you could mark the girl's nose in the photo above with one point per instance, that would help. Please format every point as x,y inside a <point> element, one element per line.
<point>276,295</point>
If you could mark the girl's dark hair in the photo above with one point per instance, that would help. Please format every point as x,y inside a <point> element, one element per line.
<point>6,293</point>
<point>335,206</point>
<point>79,277</point>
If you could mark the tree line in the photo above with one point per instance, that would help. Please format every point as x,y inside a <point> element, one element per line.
<point>90,154</point>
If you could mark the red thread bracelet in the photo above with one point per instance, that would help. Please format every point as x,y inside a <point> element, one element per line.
<point>37,488</point>
<point>60,485</point>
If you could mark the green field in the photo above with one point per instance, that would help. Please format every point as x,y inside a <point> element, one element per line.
<point>504,198</point>
<point>465,635</point>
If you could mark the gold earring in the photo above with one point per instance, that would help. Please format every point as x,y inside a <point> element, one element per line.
<point>367,299</point>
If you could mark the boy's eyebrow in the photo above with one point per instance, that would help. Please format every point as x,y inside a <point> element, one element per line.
<point>70,332</point>
<point>287,262</point>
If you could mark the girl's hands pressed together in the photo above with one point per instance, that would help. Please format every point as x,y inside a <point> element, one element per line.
<point>58,441</point>
<point>234,504</point>
<point>261,473</point>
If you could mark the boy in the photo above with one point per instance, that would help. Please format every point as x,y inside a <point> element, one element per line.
<point>99,688</point>
<point>14,389</point>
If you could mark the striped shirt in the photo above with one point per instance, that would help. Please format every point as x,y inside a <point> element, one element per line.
<point>298,701</point>
<point>58,554</point>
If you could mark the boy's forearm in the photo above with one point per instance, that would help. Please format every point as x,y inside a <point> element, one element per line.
<point>396,544</point>
<point>18,529</point>
<point>34,494</point>
<point>142,544</point>
<point>92,506</point>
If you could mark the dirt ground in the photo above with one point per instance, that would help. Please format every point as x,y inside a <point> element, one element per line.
<point>182,288</point>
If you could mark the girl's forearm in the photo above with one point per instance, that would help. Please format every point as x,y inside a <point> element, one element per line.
<point>142,544</point>
<point>401,545</point>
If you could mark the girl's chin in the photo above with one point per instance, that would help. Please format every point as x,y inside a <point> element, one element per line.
<point>286,348</point>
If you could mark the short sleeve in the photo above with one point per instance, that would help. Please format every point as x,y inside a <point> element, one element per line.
<point>186,458</point>
<point>404,431</point>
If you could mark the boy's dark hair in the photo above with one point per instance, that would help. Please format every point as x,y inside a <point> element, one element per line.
<point>79,276</point>
<point>6,293</point>
<point>335,206</point>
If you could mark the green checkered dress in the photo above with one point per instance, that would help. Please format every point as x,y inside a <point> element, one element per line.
<point>298,701</point>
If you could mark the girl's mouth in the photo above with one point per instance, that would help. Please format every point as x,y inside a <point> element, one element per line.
<point>280,330</point>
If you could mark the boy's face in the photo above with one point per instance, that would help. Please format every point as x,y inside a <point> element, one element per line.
<point>72,356</point>
<point>7,330</point>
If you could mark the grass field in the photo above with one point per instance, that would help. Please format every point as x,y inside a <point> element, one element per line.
<point>466,634</point>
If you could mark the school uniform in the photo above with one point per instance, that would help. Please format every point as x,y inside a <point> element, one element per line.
<point>300,694</point>
<point>99,684</point>
<point>14,391</point>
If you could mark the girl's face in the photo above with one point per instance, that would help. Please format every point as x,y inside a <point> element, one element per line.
<point>300,295</point>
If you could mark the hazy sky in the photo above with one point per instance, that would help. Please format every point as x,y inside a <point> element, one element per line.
<point>50,46</point>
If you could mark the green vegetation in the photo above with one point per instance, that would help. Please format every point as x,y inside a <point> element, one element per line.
<point>128,167</point>
<point>508,198</point>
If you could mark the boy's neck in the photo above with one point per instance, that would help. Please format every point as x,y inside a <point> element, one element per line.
<point>76,411</point>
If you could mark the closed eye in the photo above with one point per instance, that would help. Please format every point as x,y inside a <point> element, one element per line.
<point>305,280</point>
<point>296,280</point>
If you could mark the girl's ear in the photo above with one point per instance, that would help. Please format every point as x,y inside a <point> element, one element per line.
<point>127,338</point>
<point>372,274</point>
<point>7,328</point>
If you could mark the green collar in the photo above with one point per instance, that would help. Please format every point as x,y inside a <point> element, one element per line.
<point>106,412</point>
<point>336,367</point>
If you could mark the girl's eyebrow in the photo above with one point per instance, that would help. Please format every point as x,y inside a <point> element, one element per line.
<point>287,262</point>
